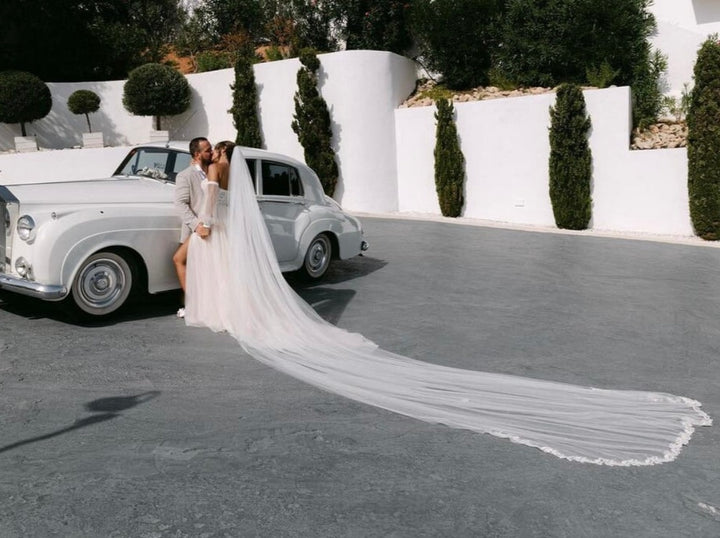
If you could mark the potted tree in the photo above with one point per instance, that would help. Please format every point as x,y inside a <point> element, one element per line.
<point>86,102</point>
<point>156,90</point>
<point>23,98</point>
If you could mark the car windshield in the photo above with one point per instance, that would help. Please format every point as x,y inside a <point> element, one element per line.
<point>157,163</point>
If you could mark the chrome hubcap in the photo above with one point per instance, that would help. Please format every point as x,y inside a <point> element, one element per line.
<point>102,283</point>
<point>317,257</point>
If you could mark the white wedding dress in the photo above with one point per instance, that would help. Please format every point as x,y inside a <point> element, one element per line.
<point>207,262</point>
<point>236,285</point>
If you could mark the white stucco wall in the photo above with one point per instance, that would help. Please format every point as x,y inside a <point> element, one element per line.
<point>362,88</point>
<point>506,148</point>
<point>386,153</point>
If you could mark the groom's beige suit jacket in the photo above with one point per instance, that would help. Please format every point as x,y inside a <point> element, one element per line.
<point>188,199</point>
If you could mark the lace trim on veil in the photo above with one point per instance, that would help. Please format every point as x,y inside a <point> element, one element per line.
<point>584,424</point>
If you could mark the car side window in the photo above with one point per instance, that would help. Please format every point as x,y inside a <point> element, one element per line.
<point>280,179</point>
<point>253,173</point>
<point>182,161</point>
<point>148,162</point>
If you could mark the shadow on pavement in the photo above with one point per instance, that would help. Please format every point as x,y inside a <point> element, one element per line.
<point>339,271</point>
<point>327,302</point>
<point>108,406</point>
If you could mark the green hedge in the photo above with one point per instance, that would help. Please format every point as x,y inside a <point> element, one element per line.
<point>455,38</point>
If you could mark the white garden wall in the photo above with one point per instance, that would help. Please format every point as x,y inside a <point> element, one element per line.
<point>506,148</point>
<point>386,153</point>
<point>362,89</point>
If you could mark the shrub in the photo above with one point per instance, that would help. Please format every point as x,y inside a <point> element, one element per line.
<point>449,161</point>
<point>378,25</point>
<point>312,123</point>
<point>548,42</point>
<point>274,54</point>
<point>244,109</point>
<point>211,60</point>
<point>602,76</point>
<point>455,38</point>
<point>23,98</point>
<point>646,94</point>
<point>84,102</point>
<point>570,160</point>
<point>156,90</point>
<point>703,143</point>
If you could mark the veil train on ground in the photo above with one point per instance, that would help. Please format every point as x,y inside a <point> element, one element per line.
<point>585,424</point>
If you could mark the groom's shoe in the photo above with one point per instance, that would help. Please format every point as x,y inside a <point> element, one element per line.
<point>181,313</point>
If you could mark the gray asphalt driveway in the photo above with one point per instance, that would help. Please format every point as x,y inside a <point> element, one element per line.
<point>141,427</point>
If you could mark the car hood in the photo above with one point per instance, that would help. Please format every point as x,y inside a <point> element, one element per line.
<point>97,191</point>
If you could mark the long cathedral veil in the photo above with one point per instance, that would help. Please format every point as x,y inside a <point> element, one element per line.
<point>585,424</point>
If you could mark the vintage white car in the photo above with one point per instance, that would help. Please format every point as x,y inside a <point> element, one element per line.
<point>95,243</point>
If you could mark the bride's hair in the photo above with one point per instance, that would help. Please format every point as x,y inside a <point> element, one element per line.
<point>227,146</point>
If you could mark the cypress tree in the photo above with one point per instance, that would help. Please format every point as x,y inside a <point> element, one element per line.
<point>570,160</point>
<point>312,125</point>
<point>244,109</point>
<point>449,161</point>
<point>704,142</point>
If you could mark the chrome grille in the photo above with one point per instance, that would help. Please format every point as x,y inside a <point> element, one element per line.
<point>8,209</point>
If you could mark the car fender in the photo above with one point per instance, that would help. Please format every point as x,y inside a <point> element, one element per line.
<point>346,237</point>
<point>69,239</point>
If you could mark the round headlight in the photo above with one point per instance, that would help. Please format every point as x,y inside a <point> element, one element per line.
<point>22,266</point>
<point>25,226</point>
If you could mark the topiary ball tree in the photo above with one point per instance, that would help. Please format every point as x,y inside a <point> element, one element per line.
<point>570,160</point>
<point>156,90</point>
<point>84,102</point>
<point>23,98</point>
<point>449,161</point>
<point>704,143</point>
<point>312,123</point>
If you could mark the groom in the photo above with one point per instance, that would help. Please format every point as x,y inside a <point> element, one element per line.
<point>188,199</point>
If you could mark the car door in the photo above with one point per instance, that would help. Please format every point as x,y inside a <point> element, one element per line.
<point>282,203</point>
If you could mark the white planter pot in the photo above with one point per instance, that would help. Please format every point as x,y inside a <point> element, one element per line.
<point>159,136</point>
<point>26,143</point>
<point>93,140</point>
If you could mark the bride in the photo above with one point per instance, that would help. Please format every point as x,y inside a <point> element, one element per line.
<point>234,284</point>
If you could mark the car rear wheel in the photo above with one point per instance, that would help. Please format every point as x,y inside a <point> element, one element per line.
<point>317,257</point>
<point>102,284</point>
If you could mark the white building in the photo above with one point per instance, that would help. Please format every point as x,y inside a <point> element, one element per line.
<point>682,26</point>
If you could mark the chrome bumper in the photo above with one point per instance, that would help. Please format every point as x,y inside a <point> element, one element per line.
<point>32,289</point>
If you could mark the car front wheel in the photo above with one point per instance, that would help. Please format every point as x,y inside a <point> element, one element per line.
<point>317,257</point>
<point>102,284</point>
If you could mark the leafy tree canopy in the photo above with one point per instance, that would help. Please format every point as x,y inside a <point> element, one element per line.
<point>156,90</point>
<point>72,40</point>
<point>23,98</point>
